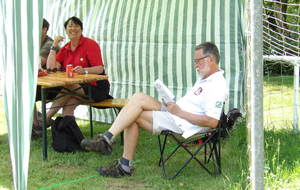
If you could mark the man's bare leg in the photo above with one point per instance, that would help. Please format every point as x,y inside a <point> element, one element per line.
<point>131,133</point>
<point>124,167</point>
<point>137,104</point>
<point>132,116</point>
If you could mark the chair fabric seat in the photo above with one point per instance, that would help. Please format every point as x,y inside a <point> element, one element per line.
<point>192,138</point>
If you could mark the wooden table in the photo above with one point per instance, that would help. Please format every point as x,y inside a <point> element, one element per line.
<point>60,79</point>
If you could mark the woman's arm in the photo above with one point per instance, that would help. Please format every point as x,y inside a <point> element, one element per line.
<point>91,70</point>
<point>51,61</point>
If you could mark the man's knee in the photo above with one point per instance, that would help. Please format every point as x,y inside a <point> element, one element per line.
<point>139,97</point>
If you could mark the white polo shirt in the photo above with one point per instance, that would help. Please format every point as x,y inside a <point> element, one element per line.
<point>206,97</point>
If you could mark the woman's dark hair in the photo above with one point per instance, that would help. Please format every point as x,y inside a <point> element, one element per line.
<point>75,20</point>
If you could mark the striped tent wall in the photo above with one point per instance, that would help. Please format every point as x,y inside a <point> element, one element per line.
<point>19,49</point>
<point>142,40</point>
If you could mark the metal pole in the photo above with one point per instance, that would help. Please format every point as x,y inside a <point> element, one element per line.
<point>44,138</point>
<point>296,95</point>
<point>255,93</point>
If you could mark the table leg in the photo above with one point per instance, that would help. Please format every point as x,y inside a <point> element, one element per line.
<point>91,114</point>
<point>44,124</point>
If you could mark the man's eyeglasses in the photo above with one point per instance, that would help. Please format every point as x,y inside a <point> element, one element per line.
<point>195,61</point>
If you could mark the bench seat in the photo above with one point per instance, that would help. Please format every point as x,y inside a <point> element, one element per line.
<point>115,103</point>
<point>110,103</point>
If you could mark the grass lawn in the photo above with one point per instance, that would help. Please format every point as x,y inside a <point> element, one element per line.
<point>77,171</point>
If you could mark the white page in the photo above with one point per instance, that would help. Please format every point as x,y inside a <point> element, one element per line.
<point>163,91</point>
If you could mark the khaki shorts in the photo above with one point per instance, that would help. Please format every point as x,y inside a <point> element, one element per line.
<point>163,120</point>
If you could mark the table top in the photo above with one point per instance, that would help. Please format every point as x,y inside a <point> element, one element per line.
<point>60,79</point>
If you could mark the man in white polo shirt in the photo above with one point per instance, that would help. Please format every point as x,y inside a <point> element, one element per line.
<point>198,110</point>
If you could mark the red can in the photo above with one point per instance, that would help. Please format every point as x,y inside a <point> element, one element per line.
<point>69,71</point>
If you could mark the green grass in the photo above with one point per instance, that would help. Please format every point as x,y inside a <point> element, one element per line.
<point>77,171</point>
<point>278,102</point>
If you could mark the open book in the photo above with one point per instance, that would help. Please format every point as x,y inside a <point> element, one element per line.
<point>163,91</point>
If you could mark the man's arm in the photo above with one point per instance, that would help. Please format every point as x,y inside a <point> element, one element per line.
<point>43,61</point>
<point>44,52</point>
<point>201,120</point>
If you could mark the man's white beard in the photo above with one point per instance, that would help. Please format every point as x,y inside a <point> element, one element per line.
<point>203,71</point>
<point>200,76</point>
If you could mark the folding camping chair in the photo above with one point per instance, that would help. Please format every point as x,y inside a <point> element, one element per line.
<point>211,156</point>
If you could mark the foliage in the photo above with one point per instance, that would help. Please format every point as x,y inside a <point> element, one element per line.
<point>281,27</point>
<point>272,68</point>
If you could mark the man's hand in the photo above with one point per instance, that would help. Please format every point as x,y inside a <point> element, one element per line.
<point>173,108</point>
<point>201,120</point>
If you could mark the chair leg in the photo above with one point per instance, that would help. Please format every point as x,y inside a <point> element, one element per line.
<point>161,149</point>
<point>163,160</point>
<point>211,147</point>
<point>218,157</point>
<point>215,155</point>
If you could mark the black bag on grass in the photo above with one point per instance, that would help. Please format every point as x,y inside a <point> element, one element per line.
<point>228,121</point>
<point>66,135</point>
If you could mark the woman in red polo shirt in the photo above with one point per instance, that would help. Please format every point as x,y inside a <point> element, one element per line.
<point>85,56</point>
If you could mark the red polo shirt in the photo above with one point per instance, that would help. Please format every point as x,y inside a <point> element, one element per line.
<point>87,51</point>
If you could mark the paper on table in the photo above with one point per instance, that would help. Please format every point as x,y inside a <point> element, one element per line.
<point>163,91</point>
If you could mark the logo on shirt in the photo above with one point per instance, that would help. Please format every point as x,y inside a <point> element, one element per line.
<point>198,91</point>
<point>81,59</point>
<point>219,104</point>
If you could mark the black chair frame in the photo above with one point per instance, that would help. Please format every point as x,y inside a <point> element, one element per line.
<point>211,146</point>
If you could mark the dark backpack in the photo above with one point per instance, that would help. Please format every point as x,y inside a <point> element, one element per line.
<point>66,135</point>
<point>228,121</point>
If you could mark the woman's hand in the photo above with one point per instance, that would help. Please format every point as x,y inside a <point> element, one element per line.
<point>52,64</point>
<point>56,41</point>
<point>79,70</point>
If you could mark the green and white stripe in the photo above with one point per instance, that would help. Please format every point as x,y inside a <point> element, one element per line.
<point>142,40</point>
<point>20,28</point>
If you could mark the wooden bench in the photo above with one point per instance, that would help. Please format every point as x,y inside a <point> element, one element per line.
<point>110,103</point>
<point>116,104</point>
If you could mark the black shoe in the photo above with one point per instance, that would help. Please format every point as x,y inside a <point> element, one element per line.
<point>114,170</point>
<point>98,144</point>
